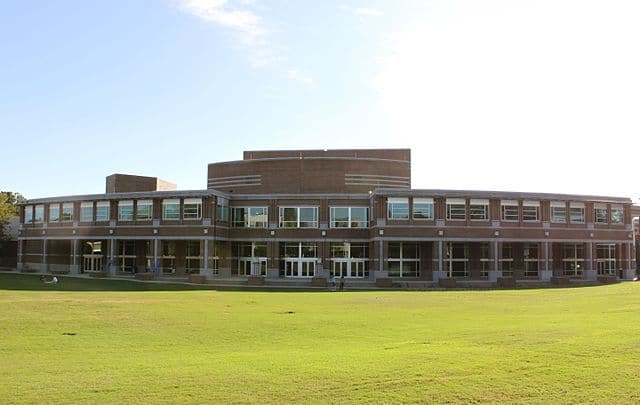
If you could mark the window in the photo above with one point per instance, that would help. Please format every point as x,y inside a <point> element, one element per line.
<point>616,214</point>
<point>478,210</point>
<point>456,209</point>
<point>192,208</point>
<point>298,259</point>
<point>558,212</point>
<point>606,258</point>
<point>531,211</point>
<point>192,258</point>
<point>349,217</point>
<point>404,259</point>
<point>54,212</point>
<point>252,258</point>
<point>576,213</point>
<point>222,209</point>
<point>144,210</point>
<point>171,209</point>
<point>573,259</point>
<point>67,212</point>
<point>39,215</point>
<point>102,210</point>
<point>28,214</point>
<point>530,253</point>
<point>86,211</point>
<point>509,210</point>
<point>506,261</point>
<point>423,208</point>
<point>298,217</point>
<point>249,217</point>
<point>601,213</point>
<point>125,210</point>
<point>349,259</point>
<point>397,208</point>
<point>456,259</point>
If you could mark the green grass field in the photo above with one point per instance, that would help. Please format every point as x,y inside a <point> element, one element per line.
<point>547,345</point>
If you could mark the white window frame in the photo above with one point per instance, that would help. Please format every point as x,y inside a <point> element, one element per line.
<point>144,203</point>
<point>192,209</point>
<point>614,218</point>
<point>600,208</point>
<point>67,212</point>
<point>606,263</point>
<point>56,208</point>
<point>428,202</point>
<point>395,210</point>
<point>529,207</point>
<point>38,214</point>
<point>350,221</point>
<point>100,205</point>
<point>83,206</point>
<point>298,221</point>
<point>456,209</point>
<point>402,260</point>
<point>555,207</point>
<point>576,213</point>
<point>247,217</point>
<point>507,212</point>
<point>123,208</point>
<point>479,209</point>
<point>28,214</point>
<point>167,202</point>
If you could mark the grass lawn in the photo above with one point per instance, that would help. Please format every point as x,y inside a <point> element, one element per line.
<point>547,345</point>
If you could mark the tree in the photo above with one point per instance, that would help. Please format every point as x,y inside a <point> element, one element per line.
<point>8,208</point>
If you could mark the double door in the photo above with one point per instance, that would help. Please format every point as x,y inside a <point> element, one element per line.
<point>348,268</point>
<point>299,267</point>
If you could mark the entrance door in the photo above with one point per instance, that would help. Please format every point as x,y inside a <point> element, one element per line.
<point>348,268</point>
<point>245,264</point>
<point>299,268</point>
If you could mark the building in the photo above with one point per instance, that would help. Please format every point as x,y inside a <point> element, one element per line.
<point>280,215</point>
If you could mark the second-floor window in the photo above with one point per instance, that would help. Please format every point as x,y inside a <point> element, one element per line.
<point>192,208</point>
<point>398,208</point>
<point>125,210</point>
<point>86,211</point>
<point>102,211</point>
<point>617,214</point>
<point>144,210</point>
<point>39,214</point>
<point>456,209</point>
<point>531,211</point>
<point>509,210</point>
<point>249,217</point>
<point>222,209</point>
<point>576,213</point>
<point>558,212</point>
<point>170,209</point>
<point>348,217</point>
<point>54,212</point>
<point>298,217</point>
<point>67,212</point>
<point>28,214</point>
<point>478,209</point>
<point>423,208</point>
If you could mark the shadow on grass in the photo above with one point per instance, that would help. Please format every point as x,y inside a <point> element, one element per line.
<point>31,282</point>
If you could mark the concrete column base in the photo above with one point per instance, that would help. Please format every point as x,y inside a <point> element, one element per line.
<point>380,274</point>
<point>19,266</point>
<point>74,269</point>
<point>629,274</point>
<point>590,275</point>
<point>273,274</point>
<point>224,272</point>
<point>545,275</point>
<point>494,275</point>
<point>113,270</point>
<point>208,273</point>
<point>437,275</point>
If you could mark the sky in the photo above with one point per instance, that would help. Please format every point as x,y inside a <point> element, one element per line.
<point>513,95</point>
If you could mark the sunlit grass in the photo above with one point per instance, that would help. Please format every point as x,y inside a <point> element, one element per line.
<point>558,345</point>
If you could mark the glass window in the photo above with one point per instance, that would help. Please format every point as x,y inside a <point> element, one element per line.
<point>192,208</point>
<point>144,210</point>
<point>601,214</point>
<point>28,214</point>
<point>125,210</point>
<point>398,208</point>
<point>404,259</point>
<point>67,212</point>
<point>298,217</point>
<point>558,213</point>
<point>456,209</point>
<point>54,212</point>
<point>249,217</point>
<point>576,213</point>
<point>222,209</point>
<point>102,211</point>
<point>171,210</point>
<point>86,211</point>
<point>478,210</point>
<point>423,208</point>
<point>616,214</point>
<point>510,210</point>
<point>531,211</point>
<point>348,217</point>
<point>606,258</point>
<point>39,215</point>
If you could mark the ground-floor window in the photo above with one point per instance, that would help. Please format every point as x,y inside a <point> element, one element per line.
<point>485,261</point>
<point>349,259</point>
<point>404,259</point>
<point>573,259</point>
<point>530,253</point>
<point>606,258</point>
<point>506,261</point>
<point>456,259</point>
<point>92,257</point>
<point>251,258</point>
<point>298,259</point>
<point>193,257</point>
<point>126,257</point>
<point>167,256</point>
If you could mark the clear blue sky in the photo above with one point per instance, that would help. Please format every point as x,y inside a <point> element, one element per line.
<point>504,95</point>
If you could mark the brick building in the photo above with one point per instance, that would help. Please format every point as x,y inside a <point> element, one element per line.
<point>282,215</point>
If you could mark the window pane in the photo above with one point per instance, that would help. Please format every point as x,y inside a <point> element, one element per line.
<point>258,217</point>
<point>340,217</point>
<point>558,214</point>
<point>339,250</point>
<point>308,217</point>
<point>601,216</point>
<point>456,211</point>
<point>125,212</point>
<point>478,212</point>
<point>359,217</point>
<point>530,213</point>
<point>39,216</point>
<point>144,210</point>
<point>576,215</point>
<point>238,217</point>
<point>54,213</point>
<point>102,212</point>
<point>422,211</point>
<point>171,211</point>
<point>192,211</point>
<point>398,210</point>
<point>409,250</point>
<point>67,212</point>
<point>616,215</point>
<point>394,250</point>
<point>288,217</point>
<point>359,250</point>
<point>86,213</point>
